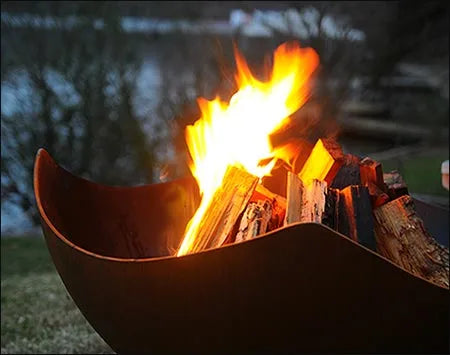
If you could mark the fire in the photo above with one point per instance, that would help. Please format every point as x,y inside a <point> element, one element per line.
<point>237,133</point>
<point>312,170</point>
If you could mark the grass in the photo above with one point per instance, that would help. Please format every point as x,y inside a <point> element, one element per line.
<point>37,314</point>
<point>422,172</point>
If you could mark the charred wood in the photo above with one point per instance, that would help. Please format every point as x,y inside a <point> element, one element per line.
<point>348,174</point>
<point>355,215</point>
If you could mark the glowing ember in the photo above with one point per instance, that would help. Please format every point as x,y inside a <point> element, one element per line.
<point>238,133</point>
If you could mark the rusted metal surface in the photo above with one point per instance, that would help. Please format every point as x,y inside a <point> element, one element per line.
<point>302,288</point>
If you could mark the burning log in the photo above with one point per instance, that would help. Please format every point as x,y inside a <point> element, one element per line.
<point>313,205</point>
<point>377,196</point>
<point>371,174</point>
<point>402,238</point>
<point>294,150</point>
<point>396,187</point>
<point>323,163</point>
<point>305,203</point>
<point>348,174</point>
<point>278,206</point>
<point>306,192</point>
<point>355,215</point>
<point>294,199</point>
<point>255,220</point>
<point>227,204</point>
<point>265,212</point>
<point>297,152</point>
<point>349,212</point>
<point>331,213</point>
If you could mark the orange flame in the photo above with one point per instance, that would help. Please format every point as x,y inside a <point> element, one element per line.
<point>238,133</point>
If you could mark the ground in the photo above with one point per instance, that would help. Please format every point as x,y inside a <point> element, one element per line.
<point>38,315</point>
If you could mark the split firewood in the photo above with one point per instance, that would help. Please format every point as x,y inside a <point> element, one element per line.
<point>355,215</point>
<point>348,174</point>
<point>372,176</point>
<point>228,203</point>
<point>305,203</point>
<point>402,238</point>
<point>255,220</point>
<point>313,205</point>
<point>330,216</point>
<point>349,212</point>
<point>306,192</point>
<point>323,163</point>
<point>294,199</point>
<point>278,206</point>
<point>377,197</point>
<point>396,187</point>
<point>371,171</point>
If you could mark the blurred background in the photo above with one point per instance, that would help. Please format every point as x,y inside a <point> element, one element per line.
<point>108,87</point>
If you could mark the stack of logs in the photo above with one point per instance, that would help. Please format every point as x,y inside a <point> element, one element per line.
<point>344,192</point>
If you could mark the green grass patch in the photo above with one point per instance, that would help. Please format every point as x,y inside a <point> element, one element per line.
<point>38,315</point>
<point>24,256</point>
<point>422,173</point>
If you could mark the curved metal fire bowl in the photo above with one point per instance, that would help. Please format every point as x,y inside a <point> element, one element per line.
<point>301,288</point>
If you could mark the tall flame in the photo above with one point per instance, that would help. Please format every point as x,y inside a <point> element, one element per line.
<point>238,133</point>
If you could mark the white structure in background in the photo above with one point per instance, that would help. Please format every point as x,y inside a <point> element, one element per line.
<point>302,24</point>
<point>256,24</point>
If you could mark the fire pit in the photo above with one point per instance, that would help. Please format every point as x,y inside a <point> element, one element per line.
<point>304,287</point>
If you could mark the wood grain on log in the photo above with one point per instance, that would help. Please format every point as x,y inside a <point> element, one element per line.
<point>313,206</point>
<point>305,203</point>
<point>278,206</point>
<point>228,203</point>
<point>402,238</point>
<point>294,199</point>
<point>255,220</point>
